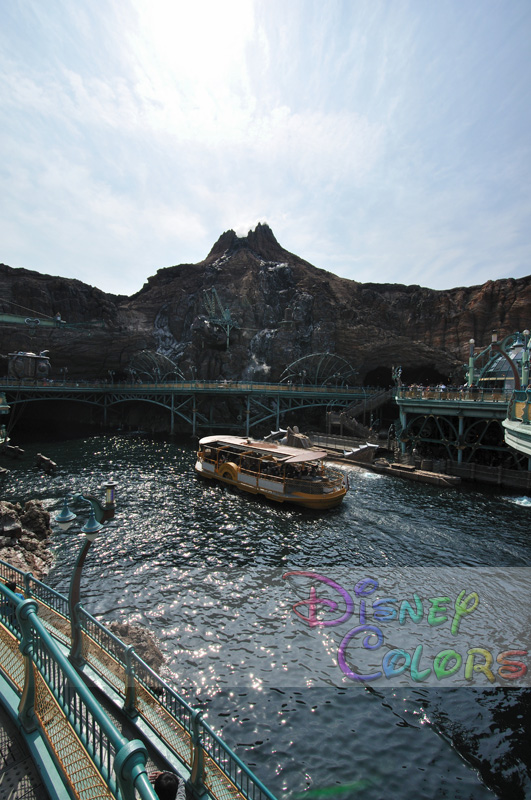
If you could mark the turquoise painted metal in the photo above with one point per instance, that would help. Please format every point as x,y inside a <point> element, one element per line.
<point>65,516</point>
<point>40,628</point>
<point>518,423</point>
<point>496,366</point>
<point>461,422</point>
<point>474,421</point>
<point>53,690</point>
<point>261,403</point>
<point>91,529</point>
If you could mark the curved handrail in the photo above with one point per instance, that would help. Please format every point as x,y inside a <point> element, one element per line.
<point>144,692</point>
<point>119,763</point>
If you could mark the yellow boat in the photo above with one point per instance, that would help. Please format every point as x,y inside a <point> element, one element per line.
<point>281,473</point>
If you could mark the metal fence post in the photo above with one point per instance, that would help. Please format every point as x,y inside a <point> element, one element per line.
<point>130,767</point>
<point>26,710</point>
<point>198,762</point>
<point>130,683</point>
<point>27,587</point>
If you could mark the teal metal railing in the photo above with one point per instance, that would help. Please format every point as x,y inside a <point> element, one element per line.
<point>211,762</point>
<point>179,386</point>
<point>212,765</point>
<point>94,758</point>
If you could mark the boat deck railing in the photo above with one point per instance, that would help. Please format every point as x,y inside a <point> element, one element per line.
<point>332,478</point>
<point>34,635</point>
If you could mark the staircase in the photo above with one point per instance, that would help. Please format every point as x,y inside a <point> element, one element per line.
<point>346,418</point>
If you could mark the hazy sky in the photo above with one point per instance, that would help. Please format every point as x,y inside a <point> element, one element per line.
<point>384,141</point>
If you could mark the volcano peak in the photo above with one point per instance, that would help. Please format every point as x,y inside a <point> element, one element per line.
<point>260,241</point>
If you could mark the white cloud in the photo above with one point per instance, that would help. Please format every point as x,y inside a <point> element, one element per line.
<point>136,133</point>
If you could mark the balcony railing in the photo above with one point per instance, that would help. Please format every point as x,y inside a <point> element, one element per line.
<point>468,394</point>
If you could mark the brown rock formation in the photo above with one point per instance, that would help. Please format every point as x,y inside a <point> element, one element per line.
<point>278,309</point>
<point>143,641</point>
<point>24,534</point>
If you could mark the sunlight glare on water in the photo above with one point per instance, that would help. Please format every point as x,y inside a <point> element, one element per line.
<point>202,568</point>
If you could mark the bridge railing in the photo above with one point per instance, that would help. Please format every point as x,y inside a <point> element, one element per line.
<point>94,758</point>
<point>53,607</point>
<point>485,395</point>
<point>194,385</point>
<point>212,764</point>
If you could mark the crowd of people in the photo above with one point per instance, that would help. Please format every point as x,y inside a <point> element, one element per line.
<point>265,466</point>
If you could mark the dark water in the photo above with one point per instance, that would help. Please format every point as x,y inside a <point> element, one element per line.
<point>203,569</point>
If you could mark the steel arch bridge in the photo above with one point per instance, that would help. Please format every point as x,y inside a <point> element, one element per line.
<point>456,439</point>
<point>461,427</point>
<point>191,402</point>
<point>320,369</point>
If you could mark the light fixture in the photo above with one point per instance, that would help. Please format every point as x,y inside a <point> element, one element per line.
<point>65,518</point>
<point>97,516</point>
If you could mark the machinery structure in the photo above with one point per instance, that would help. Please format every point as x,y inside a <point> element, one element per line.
<point>28,366</point>
<point>217,315</point>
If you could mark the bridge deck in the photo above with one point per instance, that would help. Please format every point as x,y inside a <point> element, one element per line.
<point>260,403</point>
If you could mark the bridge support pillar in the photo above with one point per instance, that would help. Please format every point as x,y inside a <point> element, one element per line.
<point>460,435</point>
<point>403,423</point>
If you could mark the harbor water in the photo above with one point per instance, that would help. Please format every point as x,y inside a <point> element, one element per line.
<point>225,581</point>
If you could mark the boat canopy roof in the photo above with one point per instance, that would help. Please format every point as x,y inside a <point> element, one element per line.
<point>288,455</point>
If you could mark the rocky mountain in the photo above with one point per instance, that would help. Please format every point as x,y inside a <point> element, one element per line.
<point>250,309</point>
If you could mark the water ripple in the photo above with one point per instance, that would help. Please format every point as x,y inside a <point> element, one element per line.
<point>201,567</point>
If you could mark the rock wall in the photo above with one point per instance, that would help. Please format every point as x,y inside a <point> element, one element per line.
<point>24,537</point>
<point>278,308</point>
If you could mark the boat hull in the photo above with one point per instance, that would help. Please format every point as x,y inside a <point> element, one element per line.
<point>420,475</point>
<point>230,475</point>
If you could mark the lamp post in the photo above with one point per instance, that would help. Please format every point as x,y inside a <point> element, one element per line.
<point>525,360</point>
<point>471,363</point>
<point>97,516</point>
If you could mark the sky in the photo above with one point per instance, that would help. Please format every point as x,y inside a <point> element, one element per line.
<point>386,141</point>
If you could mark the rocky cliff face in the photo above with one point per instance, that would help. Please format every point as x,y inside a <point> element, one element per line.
<point>273,308</point>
